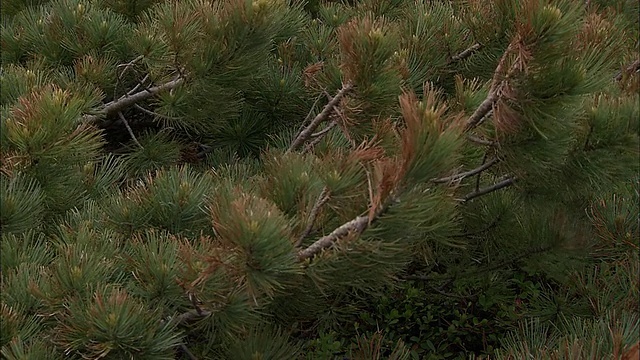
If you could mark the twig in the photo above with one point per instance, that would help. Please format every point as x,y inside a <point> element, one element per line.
<point>126,123</point>
<point>308,117</point>
<point>186,351</point>
<point>482,110</point>
<point>463,175</point>
<point>496,84</point>
<point>466,53</point>
<point>140,83</point>
<point>126,66</point>
<point>153,113</point>
<point>324,114</point>
<point>317,137</point>
<point>634,67</point>
<point>116,106</point>
<point>491,225</point>
<point>480,141</point>
<point>484,158</point>
<point>487,190</point>
<point>190,316</point>
<point>357,225</point>
<point>325,130</point>
<point>322,199</point>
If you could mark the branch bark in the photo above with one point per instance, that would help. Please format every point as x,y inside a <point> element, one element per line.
<point>322,199</point>
<point>126,124</point>
<point>126,101</point>
<point>635,66</point>
<point>306,133</point>
<point>191,316</point>
<point>466,53</point>
<point>480,141</point>
<point>472,172</point>
<point>497,83</point>
<point>357,225</point>
<point>489,189</point>
<point>482,110</point>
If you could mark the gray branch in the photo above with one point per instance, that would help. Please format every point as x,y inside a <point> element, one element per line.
<point>466,53</point>
<point>357,225</point>
<point>306,133</point>
<point>489,189</point>
<point>463,175</point>
<point>124,102</point>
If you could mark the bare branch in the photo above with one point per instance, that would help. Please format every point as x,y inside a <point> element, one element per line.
<point>480,141</point>
<point>463,175</point>
<point>138,85</point>
<point>126,66</point>
<point>325,130</point>
<point>466,53</point>
<point>487,190</point>
<point>187,352</point>
<point>191,316</point>
<point>322,199</point>
<point>357,225</point>
<point>497,83</point>
<point>305,134</point>
<point>122,103</point>
<point>634,67</point>
<point>484,159</point>
<point>153,113</point>
<point>482,110</point>
<point>308,117</point>
<point>126,123</point>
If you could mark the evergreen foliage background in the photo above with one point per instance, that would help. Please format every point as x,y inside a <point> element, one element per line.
<point>274,179</point>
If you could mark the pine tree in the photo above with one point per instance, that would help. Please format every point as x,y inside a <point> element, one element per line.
<point>225,179</point>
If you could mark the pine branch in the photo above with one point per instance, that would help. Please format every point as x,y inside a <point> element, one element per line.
<point>126,123</point>
<point>126,66</point>
<point>187,352</point>
<point>126,101</point>
<point>480,141</point>
<point>357,225</point>
<point>153,113</point>
<point>634,67</point>
<point>463,175</point>
<point>482,110</point>
<point>466,53</point>
<point>484,159</point>
<point>308,117</point>
<point>305,134</point>
<point>317,137</point>
<point>490,189</point>
<point>138,85</point>
<point>497,82</point>
<point>325,130</point>
<point>322,199</point>
<point>191,316</point>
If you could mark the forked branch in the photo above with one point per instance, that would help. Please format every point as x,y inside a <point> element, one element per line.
<point>306,133</point>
